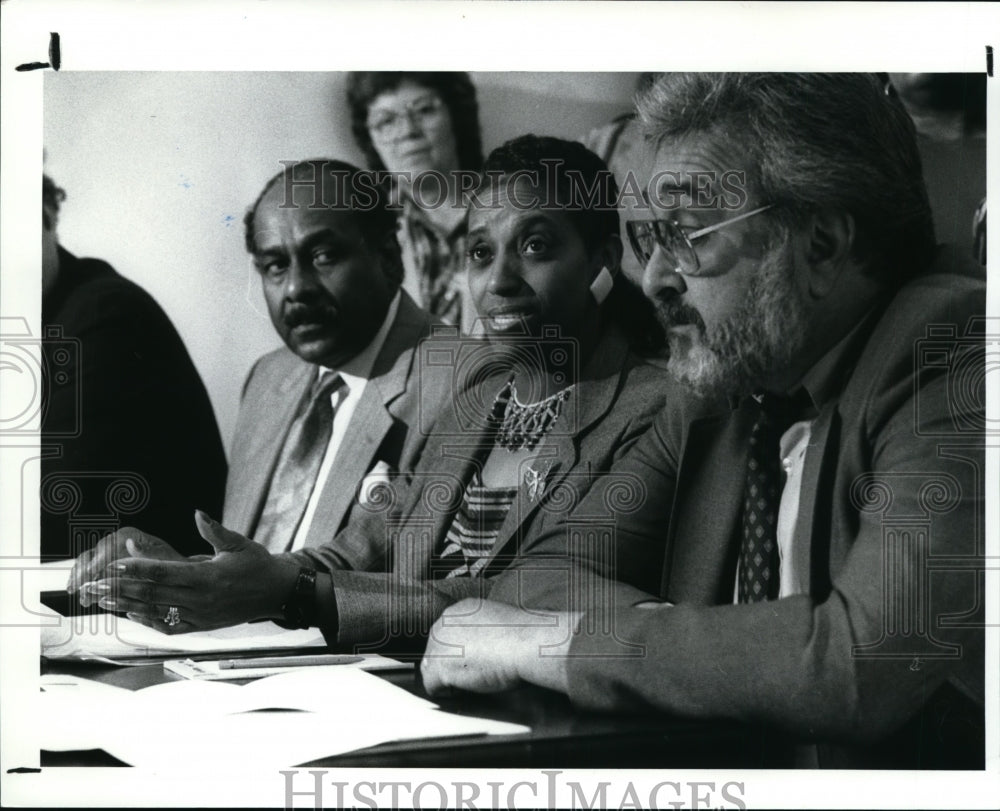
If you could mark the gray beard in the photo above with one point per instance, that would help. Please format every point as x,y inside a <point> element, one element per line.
<point>746,349</point>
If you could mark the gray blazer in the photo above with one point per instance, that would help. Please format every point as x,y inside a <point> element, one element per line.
<point>383,427</point>
<point>382,566</point>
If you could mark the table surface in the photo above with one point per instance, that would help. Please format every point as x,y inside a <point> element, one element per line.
<point>561,736</point>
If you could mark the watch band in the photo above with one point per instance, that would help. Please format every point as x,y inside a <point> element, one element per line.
<point>299,609</point>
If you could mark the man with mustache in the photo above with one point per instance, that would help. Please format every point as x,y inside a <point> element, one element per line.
<point>824,570</point>
<point>333,413</point>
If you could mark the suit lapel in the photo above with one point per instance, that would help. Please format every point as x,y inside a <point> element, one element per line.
<point>699,566</point>
<point>815,515</point>
<point>455,452</point>
<point>273,414</point>
<point>368,427</point>
<point>370,423</point>
<point>392,367</point>
<point>538,479</point>
<point>559,452</point>
<point>700,561</point>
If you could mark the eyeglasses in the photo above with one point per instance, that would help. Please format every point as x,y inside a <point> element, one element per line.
<point>387,125</point>
<point>674,241</point>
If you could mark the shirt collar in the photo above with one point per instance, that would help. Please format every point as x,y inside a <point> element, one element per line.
<point>358,369</point>
<point>414,213</point>
<point>825,379</point>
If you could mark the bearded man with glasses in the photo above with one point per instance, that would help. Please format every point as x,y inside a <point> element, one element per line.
<point>823,570</point>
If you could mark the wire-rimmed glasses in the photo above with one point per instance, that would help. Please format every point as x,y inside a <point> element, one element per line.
<point>674,240</point>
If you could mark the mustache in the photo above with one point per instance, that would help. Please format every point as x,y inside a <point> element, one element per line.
<point>297,313</point>
<point>672,312</point>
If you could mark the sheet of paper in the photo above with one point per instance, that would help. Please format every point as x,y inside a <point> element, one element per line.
<point>110,636</point>
<point>283,720</point>
<point>52,575</point>
<point>211,670</point>
<point>72,710</point>
<point>285,738</point>
<point>237,743</point>
<point>335,689</point>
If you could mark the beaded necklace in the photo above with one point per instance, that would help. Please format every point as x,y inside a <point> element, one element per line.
<point>523,426</point>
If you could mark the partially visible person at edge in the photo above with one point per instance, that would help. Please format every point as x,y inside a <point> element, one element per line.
<point>555,397</point>
<point>416,123</point>
<point>949,112</point>
<point>823,570</point>
<point>127,430</point>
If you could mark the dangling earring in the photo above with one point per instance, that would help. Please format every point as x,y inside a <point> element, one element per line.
<point>600,288</point>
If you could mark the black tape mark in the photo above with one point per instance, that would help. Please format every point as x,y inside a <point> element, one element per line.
<point>23,770</point>
<point>55,56</point>
<point>989,61</point>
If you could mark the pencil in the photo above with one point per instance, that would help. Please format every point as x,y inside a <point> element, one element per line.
<point>290,661</point>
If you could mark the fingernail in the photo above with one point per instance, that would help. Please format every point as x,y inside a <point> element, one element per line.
<point>116,567</point>
<point>132,615</point>
<point>95,587</point>
<point>107,602</point>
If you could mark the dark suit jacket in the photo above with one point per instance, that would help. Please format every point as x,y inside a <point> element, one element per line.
<point>128,432</point>
<point>382,567</point>
<point>891,512</point>
<point>384,427</point>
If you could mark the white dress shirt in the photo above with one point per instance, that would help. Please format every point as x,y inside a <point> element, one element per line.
<point>794,550</point>
<point>355,374</point>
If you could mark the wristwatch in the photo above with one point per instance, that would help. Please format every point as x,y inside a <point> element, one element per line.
<point>299,610</point>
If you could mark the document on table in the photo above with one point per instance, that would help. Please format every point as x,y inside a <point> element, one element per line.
<point>214,671</point>
<point>283,720</point>
<point>110,637</point>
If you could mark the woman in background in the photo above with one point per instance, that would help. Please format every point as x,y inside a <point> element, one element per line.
<point>413,124</point>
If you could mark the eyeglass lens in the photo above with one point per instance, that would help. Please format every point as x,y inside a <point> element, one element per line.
<point>646,235</point>
<point>390,123</point>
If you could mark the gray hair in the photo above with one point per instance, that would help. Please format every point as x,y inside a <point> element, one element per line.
<point>812,141</point>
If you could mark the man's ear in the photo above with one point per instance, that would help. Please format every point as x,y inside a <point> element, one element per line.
<point>830,242</point>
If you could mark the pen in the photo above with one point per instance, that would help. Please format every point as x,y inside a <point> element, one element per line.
<point>290,661</point>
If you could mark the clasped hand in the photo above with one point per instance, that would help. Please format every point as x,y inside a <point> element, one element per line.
<point>143,577</point>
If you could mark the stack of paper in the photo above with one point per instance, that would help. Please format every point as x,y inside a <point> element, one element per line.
<point>283,720</point>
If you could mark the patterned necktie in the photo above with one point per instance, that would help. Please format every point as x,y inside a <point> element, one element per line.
<point>758,565</point>
<point>301,457</point>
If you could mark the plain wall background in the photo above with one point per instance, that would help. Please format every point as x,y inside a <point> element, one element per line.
<point>159,169</point>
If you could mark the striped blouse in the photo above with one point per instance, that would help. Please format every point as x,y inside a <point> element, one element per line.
<point>474,528</point>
